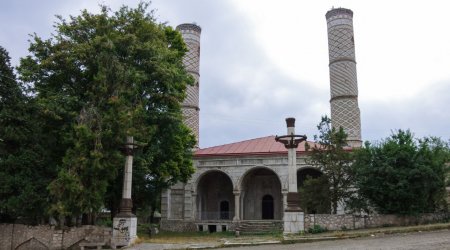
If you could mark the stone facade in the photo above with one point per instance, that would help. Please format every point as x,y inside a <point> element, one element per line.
<point>343,81</point>
<point>191,35</point>
<point>17,236</point>
<point>243,181</point>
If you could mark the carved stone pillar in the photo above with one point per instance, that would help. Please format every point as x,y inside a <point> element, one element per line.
<point>237,205</point>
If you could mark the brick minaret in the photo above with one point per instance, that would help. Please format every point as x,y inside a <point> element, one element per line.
<point>191,35</point>
<point>343,82</point>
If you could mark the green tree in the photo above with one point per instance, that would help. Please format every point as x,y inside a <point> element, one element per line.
<point>99,78</point>
<point>403,175</point>
<point>333,158</point>
<point>24,164</point>
<point>315,195</point>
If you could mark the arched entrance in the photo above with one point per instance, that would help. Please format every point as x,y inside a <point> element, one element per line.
<point>215,199</point>
<point>267,207</point>
<point>261,195</point>
<point>314,190</point>
<point>224,210</point>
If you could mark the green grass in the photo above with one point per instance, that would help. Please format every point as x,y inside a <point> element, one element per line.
<point>185,237</point>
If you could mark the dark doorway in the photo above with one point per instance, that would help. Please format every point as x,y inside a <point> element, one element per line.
<point>224,210</point>
<point>212,228</point>
<point>267,207</point>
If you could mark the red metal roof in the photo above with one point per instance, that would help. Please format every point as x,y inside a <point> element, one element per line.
<point>259,146</point>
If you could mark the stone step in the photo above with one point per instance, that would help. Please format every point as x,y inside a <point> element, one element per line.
<point>255,227</point>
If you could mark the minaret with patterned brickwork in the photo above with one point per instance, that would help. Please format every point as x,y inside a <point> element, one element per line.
<point>343,81</point>
<point>191,35</point>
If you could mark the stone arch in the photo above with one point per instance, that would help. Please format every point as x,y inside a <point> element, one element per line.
<point>315,198</point>
<point>255,184</point>
<point>200,175</point>
<point>214,187</point>
<point>239,182</point>
<point>302,174</point>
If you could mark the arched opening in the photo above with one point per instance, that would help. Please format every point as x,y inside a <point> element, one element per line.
<point>314,191</point>
<point>215,197</point>
<point>224,210</point>
<point>267,207</point>
<point>257,186</point>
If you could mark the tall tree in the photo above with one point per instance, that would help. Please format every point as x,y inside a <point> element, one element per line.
<point>403,175</point>
<point>315,195</point>
<point>100,78</point>
<point>24,164</point>
<point>333,157</point>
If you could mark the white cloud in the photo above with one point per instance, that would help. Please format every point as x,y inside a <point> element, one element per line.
<point>262,61</point>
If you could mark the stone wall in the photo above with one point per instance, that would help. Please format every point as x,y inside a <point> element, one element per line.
<point>349,221</point>
<point>17,236</point>
<point>178,226</point>
<point>193,226</point>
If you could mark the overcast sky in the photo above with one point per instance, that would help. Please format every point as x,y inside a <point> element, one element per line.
<point>263,61</point>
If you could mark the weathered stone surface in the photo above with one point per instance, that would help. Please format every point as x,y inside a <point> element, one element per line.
<point>19,236</point>
<point>293,222</point>
<point>349,221</point>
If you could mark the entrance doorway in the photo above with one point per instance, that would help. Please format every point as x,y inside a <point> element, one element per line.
<point>224,210</point>
<point>267,207</point>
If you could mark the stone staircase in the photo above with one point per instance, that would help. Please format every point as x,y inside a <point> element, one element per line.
<point>259,226</point>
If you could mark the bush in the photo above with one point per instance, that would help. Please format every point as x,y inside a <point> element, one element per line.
<point>316,229</point>
<point>403,175</point>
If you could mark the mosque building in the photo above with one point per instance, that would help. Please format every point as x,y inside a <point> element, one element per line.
<point>245,184</point>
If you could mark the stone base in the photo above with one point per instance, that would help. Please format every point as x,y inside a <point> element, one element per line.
<point>124,230</point>
<point>293,200</point>
<point>293,222</point>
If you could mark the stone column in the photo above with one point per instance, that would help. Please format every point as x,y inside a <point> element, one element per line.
<point>190,107</point>
<point>345,111</point>
<point>194,206</point>
<point>237,205</point>
<point>125,223</point>
<point>126,204</point>
<point>284,193</point>
<point>292,196</point>
<point>293,217</point>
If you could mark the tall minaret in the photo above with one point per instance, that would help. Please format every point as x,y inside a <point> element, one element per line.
<point>343,82</point>
<point>191,35</point>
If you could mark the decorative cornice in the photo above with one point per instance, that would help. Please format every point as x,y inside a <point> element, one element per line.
<point>339,11</point>
<point>189,26</point>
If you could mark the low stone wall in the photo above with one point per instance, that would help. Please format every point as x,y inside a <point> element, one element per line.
<point>193,226</point>
<point>17,236</point>
<point>349,221</point>
<point>178,226</point>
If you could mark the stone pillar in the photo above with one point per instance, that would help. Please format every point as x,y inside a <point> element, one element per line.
<point>343,81</point>
<point>292,196</point>
<point>194,206</point>
<point>125,223</point>
<point>187,202</point>
<point>126,203</point>
<point>237,205</point>
<point>293,217</point>
<point>241,203</point>
<point>284,193</point>
<point>191,36</point>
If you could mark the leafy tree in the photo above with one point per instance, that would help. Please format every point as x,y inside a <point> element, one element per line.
<point>315,195</point>
<point>403,175</point>
<point>24,163</point>
<point>99,78</point>
<point>333,158</point>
